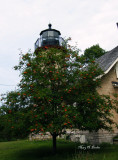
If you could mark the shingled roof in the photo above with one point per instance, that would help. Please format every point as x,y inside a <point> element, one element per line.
<point>108,60</point>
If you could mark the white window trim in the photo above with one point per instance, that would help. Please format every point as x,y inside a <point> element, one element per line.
<point>117,69</point>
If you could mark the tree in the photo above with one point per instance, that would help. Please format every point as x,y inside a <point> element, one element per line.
<point>93,52</point>
<point>52,80</point>
<point>13,124</point>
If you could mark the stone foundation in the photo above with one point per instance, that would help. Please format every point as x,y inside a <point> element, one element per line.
<point>40,136</point>
<point>80,136</point>
<point>91,137</point>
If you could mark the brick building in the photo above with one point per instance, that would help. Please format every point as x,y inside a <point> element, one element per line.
<point>109,86</point>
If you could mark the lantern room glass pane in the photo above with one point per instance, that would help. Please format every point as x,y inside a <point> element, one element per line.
<point>50,34</point>
<point>45,34</point>
<point>56,35</point>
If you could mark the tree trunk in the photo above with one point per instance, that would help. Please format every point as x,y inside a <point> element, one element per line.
<point>54,143</point>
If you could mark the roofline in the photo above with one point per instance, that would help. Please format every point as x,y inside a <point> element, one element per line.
<point>111,66</point>
<point>100,76</point>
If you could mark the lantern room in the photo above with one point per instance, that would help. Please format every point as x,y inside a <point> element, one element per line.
<point>49,37</point>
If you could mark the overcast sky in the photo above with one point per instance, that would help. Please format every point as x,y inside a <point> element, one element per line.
<point>87,22</point>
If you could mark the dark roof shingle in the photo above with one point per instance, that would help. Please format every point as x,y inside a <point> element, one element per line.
<point>107,59</point>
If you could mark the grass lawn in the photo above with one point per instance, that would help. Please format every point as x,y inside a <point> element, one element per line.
<point>42,150</point>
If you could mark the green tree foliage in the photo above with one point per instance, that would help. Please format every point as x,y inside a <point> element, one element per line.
<point>93,52</point>
<point>13,124</point>
<point>56,92</point>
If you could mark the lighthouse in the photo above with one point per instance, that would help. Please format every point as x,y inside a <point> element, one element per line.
<point>49,37</point>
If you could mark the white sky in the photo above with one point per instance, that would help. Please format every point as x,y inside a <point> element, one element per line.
<point>87,22</point>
